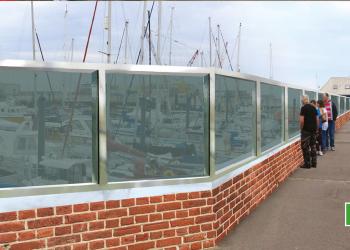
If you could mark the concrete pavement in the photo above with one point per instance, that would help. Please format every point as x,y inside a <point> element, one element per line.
<point>306,212</point>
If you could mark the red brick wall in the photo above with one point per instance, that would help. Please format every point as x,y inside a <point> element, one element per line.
<point>182,221</point>
<point>342,120</point>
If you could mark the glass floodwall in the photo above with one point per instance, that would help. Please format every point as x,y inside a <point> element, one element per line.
<point>336,101</point>
<point>157,126</point>
<point>235,120</point>
<point>320,96</point>
<point>294,105</point>
<point>120,126</point>
<point>272,115</point>
<point>342,105</point>
<point>48,127</point>
<point>311,94</point>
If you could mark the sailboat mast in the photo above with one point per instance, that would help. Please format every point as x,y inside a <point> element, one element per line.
<point>72,51</point>
<point>201,58</point>
<point>219,50</point>
<point>210,59</point>
<point>65,46</point>
<point>239,47</point>
<point>149,39</point>
<point>159,29</point>
<point>109,23</point>
<point>271,72</point>
<point>33,29</point>
<point>126,43</point>
<point>171,33</point>
<point>143,28</point>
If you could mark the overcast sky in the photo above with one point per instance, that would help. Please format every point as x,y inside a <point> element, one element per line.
<point>308,39</point>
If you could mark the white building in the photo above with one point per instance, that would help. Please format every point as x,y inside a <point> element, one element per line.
<point>337,85</point>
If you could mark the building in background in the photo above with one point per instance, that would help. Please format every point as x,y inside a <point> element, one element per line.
<point>337,85</point>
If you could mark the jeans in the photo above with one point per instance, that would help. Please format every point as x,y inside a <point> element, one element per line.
<point>324,140</point>
<point>330,133</point>
<point>308,146</point>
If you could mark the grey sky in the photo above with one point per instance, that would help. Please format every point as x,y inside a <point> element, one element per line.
<point>308,38</point>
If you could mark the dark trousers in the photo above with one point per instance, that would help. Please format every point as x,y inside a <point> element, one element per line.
<point>319,140</point>
<point>330,133</point>
<point>308,146</point>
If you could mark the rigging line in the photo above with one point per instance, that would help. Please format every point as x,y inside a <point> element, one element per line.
<point>234,47</point>
<point>79,80</point>
<point>120,45</point>
<point>133,76</point>
<point>132,49</point>
<point>42,57</point>
<point>103,30</point>
<point>216,50</point>
<point>154,53</point>
<point>129,45</point>
<point>225,46</point>
<point>165,38</point>
<point>205,61</point>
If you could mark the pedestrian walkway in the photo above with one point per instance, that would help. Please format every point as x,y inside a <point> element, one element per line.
<point>305,212</point>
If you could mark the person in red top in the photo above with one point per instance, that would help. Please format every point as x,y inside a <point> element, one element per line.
<point>332,112</point>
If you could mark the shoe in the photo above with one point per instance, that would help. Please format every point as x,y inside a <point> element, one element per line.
<point>333,148</point>
<point>314,166</point>
<point>305,166</point>
<point>320,153</point>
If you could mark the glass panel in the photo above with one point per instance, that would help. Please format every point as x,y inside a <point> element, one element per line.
<point>311,95</point>
<point>347,103</point>
<point>272,115</point>
<point>294,105</point>
<point>335,99</point>
<point>342,105</point>
<point>320,96</point>
<point>46,127</point>
<point>235,120</point>
<point>157,126</point>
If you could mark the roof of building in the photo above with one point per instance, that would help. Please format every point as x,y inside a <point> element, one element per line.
<point>337,85</point>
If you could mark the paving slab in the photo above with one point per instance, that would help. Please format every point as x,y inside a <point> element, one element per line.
<point>306,212</point>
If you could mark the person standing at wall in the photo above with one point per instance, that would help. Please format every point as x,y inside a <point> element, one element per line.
<point>319,129</point>
<point>332,113</point>
<point>323,124</point>
<point>309,123</point>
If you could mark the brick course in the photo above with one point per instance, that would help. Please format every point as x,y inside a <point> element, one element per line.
<point>194,220</point>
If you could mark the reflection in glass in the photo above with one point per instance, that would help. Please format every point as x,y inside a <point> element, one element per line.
<point>311,95</point>
<point>320,96</point>
<point>294,105</point>
<point>336,101</point>
<point>272,115</point>
<point>157,126</point>
<point>342,105</point>
<point>235,120</point>
<point>46,127</point>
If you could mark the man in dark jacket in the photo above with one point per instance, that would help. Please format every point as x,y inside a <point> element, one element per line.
<point>309,123</point>
<point>332,112</point>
